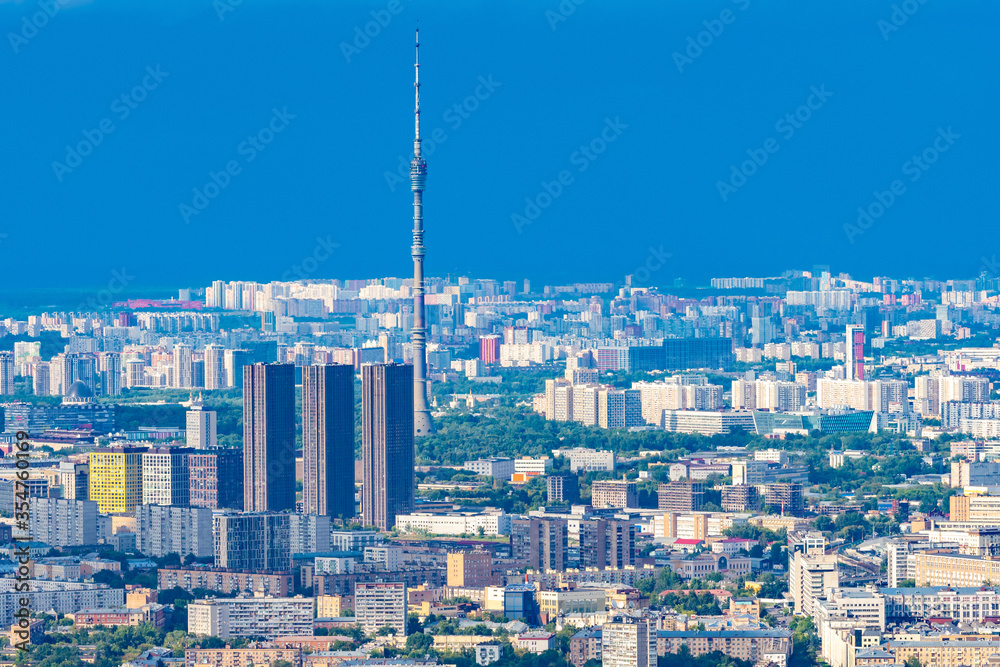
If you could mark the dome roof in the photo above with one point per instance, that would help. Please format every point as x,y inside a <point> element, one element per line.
<point>79,390</point>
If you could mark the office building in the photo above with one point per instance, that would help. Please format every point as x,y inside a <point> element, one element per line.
<point>387,443</point>
<point>269,438</point>
<point>497,467</point>
<point>186,531</point>
<point>257,541</point>
<point>328,440</point>
<point>381,604</point>
<point>116,478</point>
<point>943,569</point>
<point>166,479</point>
<point>216,478</point>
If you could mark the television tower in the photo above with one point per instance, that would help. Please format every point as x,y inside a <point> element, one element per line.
<point>422,423</point>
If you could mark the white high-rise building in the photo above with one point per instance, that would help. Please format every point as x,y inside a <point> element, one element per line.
<point>629,642</point>
<point>202,427</point>
<point>215,370</point>
<point>183,366</point>
<point>381,604</point>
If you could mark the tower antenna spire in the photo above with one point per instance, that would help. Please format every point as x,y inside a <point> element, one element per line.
<point>422,423</point>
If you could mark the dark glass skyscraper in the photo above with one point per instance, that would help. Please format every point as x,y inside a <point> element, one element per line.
<point>387,443</point>
<point>269,437</point>
<point>328,440</point>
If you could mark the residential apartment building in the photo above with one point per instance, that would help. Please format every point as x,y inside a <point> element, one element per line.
<point>60,522</point>
<point>277,584</point>
<point>381,604</point>
<point>267,617</point>
<point>614,493</point>
<point>187,531</point>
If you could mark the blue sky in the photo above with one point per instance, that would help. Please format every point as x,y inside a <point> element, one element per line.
<point>643,109</point>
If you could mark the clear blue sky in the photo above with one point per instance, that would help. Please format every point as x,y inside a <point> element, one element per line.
<point>676,124</point>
